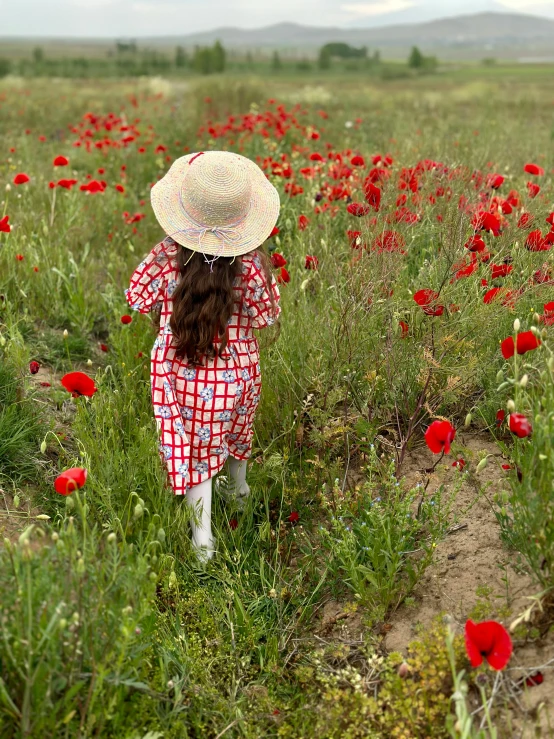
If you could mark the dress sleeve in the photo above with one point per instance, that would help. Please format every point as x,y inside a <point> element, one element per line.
<point>258,302</point>
<point>149,280</point>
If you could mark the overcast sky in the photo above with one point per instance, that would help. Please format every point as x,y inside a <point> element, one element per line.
<point>136,18</point>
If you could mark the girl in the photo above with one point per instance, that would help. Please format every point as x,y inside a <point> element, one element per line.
<point>205,371</point>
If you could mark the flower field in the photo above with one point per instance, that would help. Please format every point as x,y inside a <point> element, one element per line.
<point>414,359</point>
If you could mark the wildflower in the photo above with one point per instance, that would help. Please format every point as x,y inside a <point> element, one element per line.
<point>533,189</point>
<point>70,480</point>
<point>533,169</point>
<point>78,383</point>
<point>404,329</point>
<point>34,367</point>
<point>536,678</point>
<point>500,417</point>
<point>66,184</point>
<point>488,640</point>
<point>439,436</point>
<point>312,262</point>
<point>525,342</point>
<point>294,517</point>
<point>302,222</point>
<point>274,232</point>
<point>459,464</point>
<point>104,348</point>
<point>21,178</point>
<point>126,319</point>
<point>4,225</point>
<point>357,209</point>
<point>500,270</point>
<point>233,523</point>
<point>519,425</point>
<point>19,257</point>
<point>426,298</point>
<point>120,188</point>
<point>475,243</point>
<point>372,195</point>
<point>390,241</point>
<point>278,260</point>
<point>283,276</point>
<point>495,181</point>
<point>61,161</point>
<point>357,161</point>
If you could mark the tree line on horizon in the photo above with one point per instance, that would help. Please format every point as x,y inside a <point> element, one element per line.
<point>126,59</point>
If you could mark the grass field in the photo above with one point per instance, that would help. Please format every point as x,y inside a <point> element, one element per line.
<point>109,626</point>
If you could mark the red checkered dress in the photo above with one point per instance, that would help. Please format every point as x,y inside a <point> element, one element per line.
<point>205,413</point>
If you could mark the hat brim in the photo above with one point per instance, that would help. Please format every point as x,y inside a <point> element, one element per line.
<point>256,227</point>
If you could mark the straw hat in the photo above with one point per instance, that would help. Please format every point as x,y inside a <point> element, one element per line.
<point>216,202</point>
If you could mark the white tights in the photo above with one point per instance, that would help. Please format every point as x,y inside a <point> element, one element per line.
<point>199,498</point>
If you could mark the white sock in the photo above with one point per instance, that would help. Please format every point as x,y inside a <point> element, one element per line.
<point>199,498</point>
<point>237,473</point>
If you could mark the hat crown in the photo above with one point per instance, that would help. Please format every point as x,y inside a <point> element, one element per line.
<point>216,189</point>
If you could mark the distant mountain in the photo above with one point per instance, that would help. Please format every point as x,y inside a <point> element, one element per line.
<point>501,34</point>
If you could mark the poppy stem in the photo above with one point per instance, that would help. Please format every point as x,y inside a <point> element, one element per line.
<point>430,470</point>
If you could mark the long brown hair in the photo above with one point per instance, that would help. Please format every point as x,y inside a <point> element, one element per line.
<point>204,301</point>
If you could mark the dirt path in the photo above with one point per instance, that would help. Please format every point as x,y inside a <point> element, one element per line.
<point>474,576</point>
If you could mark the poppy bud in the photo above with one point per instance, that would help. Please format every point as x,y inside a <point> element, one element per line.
<point>535,330</point>
<point>536,318</point>
<point>517,325</point>
<point>65,333</point>
<point>43,447</point>
<point>482,464</point>
<point>550,363</point>
<point>467,422</point>
<point>511,406</point>
<point>139,510</point>
<point>112,537</point>
<point>524,380</point>
<point>499,376</point>
<point>16,501</point>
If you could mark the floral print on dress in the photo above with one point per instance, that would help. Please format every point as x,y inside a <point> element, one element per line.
<point>204,433</point>
<point>207,393</point>
<point>203,413</point>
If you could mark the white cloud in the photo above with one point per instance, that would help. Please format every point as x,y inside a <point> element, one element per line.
<point>528,5</point>
<point>377,8</point>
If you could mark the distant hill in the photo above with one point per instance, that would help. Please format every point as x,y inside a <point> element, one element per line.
<point>461,37</point>
<point>501,34</point>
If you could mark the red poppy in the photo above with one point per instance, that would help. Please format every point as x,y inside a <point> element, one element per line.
<point>500,417</point>
<point>506,467</point>
<point>278,260</point>
<point>312,262</point>
<point>274,232</point>
<point>537,678</point>
<point>126,319</point>
<point>358,209</point>
<point>485,221</point>
<point>500,270</point>
<point>61,161</point>
<point>67,184</point>
<point>465,271</point>
<point>77,383</point>
<point>372,195</point>
<point>536,241</point>
<point>533,169</point>
<point>526,341</point>
<point>70,480</point>
<point>488,640</point>
<point>302,222</point>
<point>533,189</point>
<point>104,348</point>
<point>316,157</point>
<point>21,178</point>
<point>476,243</point>
<point>459,464</point>
<point>283,276</point>
<point>294,517</point>
<point>19,257</point>
<point>357,161</point>
<point>491,294</point>
<point>495,181</point>
<point>519,425</point>
<point>426,299</point>
<point>4,225</point>
<point>120,188</point>
<point>45,384</point>
<point>390,241</point>
<point>525,220</point>
<point>439,436</point>
<point>34,367</point>
<point>404,329</point>
<point>93,186</point>
<point>550,219</point>
<point>233,523</point>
